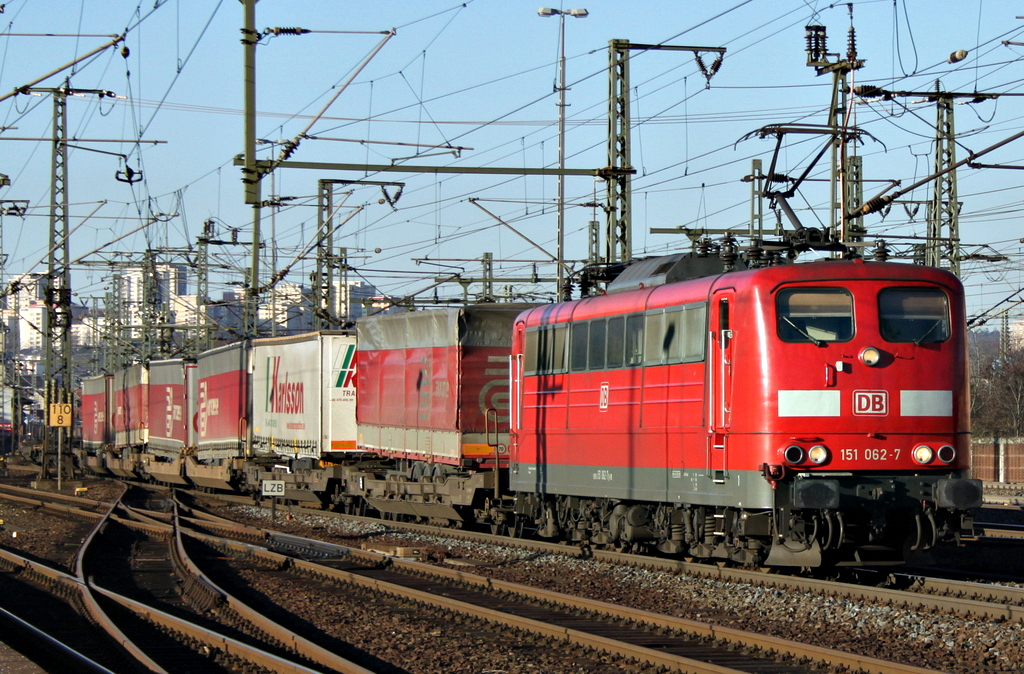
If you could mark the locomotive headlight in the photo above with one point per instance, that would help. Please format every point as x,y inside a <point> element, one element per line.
<point>794,455</point>
<point>818,454</point>
<point>870,356</point>
<point>946,454</point>
<point>923,454</point>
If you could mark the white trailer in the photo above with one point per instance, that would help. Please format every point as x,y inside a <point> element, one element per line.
<point>304,395</point>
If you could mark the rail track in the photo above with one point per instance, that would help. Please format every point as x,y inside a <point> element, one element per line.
<point>129,634</point>
<point>964,598</point>
<point>673,643</point>
<point>257,550</point>
<point>579,628</point>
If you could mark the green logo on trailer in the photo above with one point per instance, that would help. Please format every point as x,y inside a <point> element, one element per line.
<point>347,368</point>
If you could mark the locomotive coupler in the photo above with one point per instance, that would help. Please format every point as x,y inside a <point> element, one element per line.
<point>773,473</point>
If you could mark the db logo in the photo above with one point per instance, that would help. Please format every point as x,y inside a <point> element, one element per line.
<point>603,400</point>
<point>871,402</point>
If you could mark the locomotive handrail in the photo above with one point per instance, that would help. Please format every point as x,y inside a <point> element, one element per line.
<point>490,413</point>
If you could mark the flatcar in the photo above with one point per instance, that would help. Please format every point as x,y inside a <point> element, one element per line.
<point>795,415</point>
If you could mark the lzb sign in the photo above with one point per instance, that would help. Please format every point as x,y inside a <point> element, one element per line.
<point>60,414</point>
<point>273,488</point>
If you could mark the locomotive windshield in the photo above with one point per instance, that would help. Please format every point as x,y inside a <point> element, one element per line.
<point>915,315</point>
<point>814,315</point>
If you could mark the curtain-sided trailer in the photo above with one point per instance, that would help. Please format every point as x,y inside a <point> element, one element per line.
<point>129,418</point>
<point>171,412</point>
<point>97,431</point>
<point>303,414</point>
<point>434,398</point>
<point>222,417</point>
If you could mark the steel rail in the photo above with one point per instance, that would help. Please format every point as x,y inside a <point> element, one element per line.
<point>231,647</point>
<point>994,602</point>
<point>288,638</point>
<point>74,660</point>
<point>766,644</point>
<point>202,584</point>
<point>50,505</point>
<point>53,496</point>
<point>997,602</point>
<point>75,585</point>
<point>98,615</point>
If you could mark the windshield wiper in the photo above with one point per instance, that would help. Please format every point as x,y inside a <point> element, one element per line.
<point>917,342</point>
<point>796,327</point>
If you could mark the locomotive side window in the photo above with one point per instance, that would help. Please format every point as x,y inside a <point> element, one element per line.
<point>694,320</point>
<point>578,347</point>
<point>675,335</point>
<point>545,350</point>
<point>659,340</point>
<point>634,340</point>
<point>913,315</point>
<point>814,315</point>
<point>597,345</point>
<point>616,341</point>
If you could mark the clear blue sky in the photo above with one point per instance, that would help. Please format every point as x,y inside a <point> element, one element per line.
<point>481,75</point>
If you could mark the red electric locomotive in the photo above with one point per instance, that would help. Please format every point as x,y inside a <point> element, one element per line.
<point>796,415</point>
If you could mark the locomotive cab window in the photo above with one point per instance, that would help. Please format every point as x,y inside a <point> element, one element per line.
<point>915,315</point>
<point>814,315</point>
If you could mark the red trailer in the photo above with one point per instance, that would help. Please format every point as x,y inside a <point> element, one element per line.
<point>170,408</point>
<point>130,416</point>
<point>222,406</point>
<point>222,417</point>
<point>95,413</point>
<point>170,416</point>
<point>97,429</point>
<point>433,385</point>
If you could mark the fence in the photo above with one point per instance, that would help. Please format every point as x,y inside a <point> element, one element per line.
<point>998,459</point>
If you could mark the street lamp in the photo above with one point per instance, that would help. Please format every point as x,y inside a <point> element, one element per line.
<point>561,14</point>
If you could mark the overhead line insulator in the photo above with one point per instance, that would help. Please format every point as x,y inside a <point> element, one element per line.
<point>286,31</point>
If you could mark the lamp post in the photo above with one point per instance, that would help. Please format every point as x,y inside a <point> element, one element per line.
<point>562,293</point>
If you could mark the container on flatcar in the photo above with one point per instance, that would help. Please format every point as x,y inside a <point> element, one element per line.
<point>222,416</point>
<point>433,384</point>
<point>433,397</point>
<point>169,419</point>
<point>129,418</point>
<point>304,396</point>
<point>97,431</point>
<point>782,415</point>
